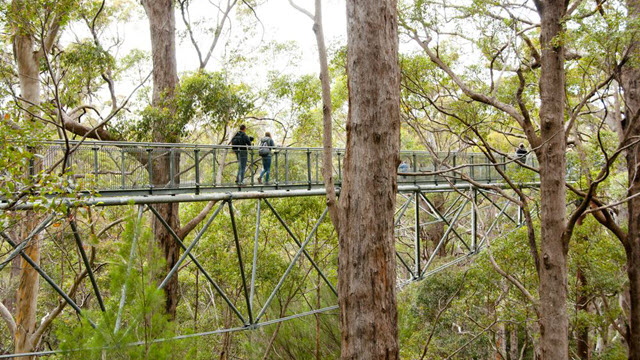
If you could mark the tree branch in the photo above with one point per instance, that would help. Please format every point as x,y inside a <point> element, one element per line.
<point>8,319</point>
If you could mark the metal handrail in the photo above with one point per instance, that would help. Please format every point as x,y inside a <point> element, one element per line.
<point>126,167</point>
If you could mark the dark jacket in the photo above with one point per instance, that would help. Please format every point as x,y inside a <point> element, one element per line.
<point>242,139</point>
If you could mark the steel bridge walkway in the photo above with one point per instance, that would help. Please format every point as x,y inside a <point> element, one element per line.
<point>117,174</point>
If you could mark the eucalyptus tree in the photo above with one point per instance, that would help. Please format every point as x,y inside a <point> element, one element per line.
<point>630,81</point>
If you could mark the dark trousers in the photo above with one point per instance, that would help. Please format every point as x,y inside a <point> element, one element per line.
<point>241,155</point>
<point>266,168</point>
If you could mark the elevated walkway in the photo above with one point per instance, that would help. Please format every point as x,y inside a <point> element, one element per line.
<point>116,173</point>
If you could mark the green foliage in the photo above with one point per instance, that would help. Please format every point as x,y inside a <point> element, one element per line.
<point>203,100</point>
<point>143,319</point>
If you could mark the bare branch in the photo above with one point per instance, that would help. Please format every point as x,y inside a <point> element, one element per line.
<point>8,319</point>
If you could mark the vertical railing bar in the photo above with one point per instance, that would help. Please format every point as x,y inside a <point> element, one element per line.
<point>309,169</point>
<point>171,168</point>
<point>150,169</point>
<point>95,164</point>
<point>122,169</point>
<point>196,155</point>
<point>253,172</point>
<point>474,220</point>
<point>286,167</point>
<point>417,234</point>
<point>339,168</point>
<point>276,180</point>
<point>214,175</point>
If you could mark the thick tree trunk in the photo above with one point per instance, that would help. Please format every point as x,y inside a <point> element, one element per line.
<point>162,27</point>
<point>631,86</point>
<point>366,266</point>
<point>551,156</point>
<point>630,78</point>
<point>582,336</point>
<point>27,297</point>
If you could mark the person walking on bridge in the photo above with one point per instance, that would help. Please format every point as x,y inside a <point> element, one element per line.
<point>241,142</point>
<point>266,143</point>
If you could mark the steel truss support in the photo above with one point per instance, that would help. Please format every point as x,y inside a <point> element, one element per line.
<point>132,254</point>
<point>293,262</point>
<point>197,263</point>
<point>37,230</point>
<point>48,279</point>
<point>434,210</point>
<point>444,236</point>
<point>85,259</point>
<point>306,254</point>
<point>517,222</point>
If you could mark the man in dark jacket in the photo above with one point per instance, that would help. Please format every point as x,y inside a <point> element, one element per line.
<point>241,141</point>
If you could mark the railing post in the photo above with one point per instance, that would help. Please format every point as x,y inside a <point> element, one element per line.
<point>122,170</point>
<point>253,173</point>
<point>309,168</point>
<point>471,167</point>
<point>95,163</point>
<point>415,168</point>
<point>150,169</point>
<point>286,166</point>
<point>276,172</point>
<point>214,175</point>
<point>339,168</point>
<point>520,215</point>
<point>474,220</point>
<point>418,271</point>
<point>455,176</point>
<point>171,168</point>
<point>32,170</point>
<point>196,156</point>
<point>317,167</point>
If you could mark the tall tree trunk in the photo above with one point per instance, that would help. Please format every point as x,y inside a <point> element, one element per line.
<point>366,266</point>
<point>582,336</point>
<point>552,159</point>
<point>630,78</point>
<point>27,295</point>
<point>162,24</point>
<point>630,81</point>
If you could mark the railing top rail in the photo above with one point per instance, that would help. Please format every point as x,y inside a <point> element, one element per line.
<point>148,145</point>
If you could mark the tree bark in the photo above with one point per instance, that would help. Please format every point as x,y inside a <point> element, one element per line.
<point>630,79</point>
<point>27,296</point>
<point>552,159</point>
<point>162,26</point>
<point>582,336</point>
<point>366,264</point>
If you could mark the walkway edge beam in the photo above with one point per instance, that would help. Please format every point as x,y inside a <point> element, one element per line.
<point>238,195</point>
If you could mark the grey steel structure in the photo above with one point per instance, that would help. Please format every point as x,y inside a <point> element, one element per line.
<point>117,174</point>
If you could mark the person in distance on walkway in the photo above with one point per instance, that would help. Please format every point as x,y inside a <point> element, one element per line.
<point>266,143</point>
<point>521,153</point>
<point>241,141</point>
